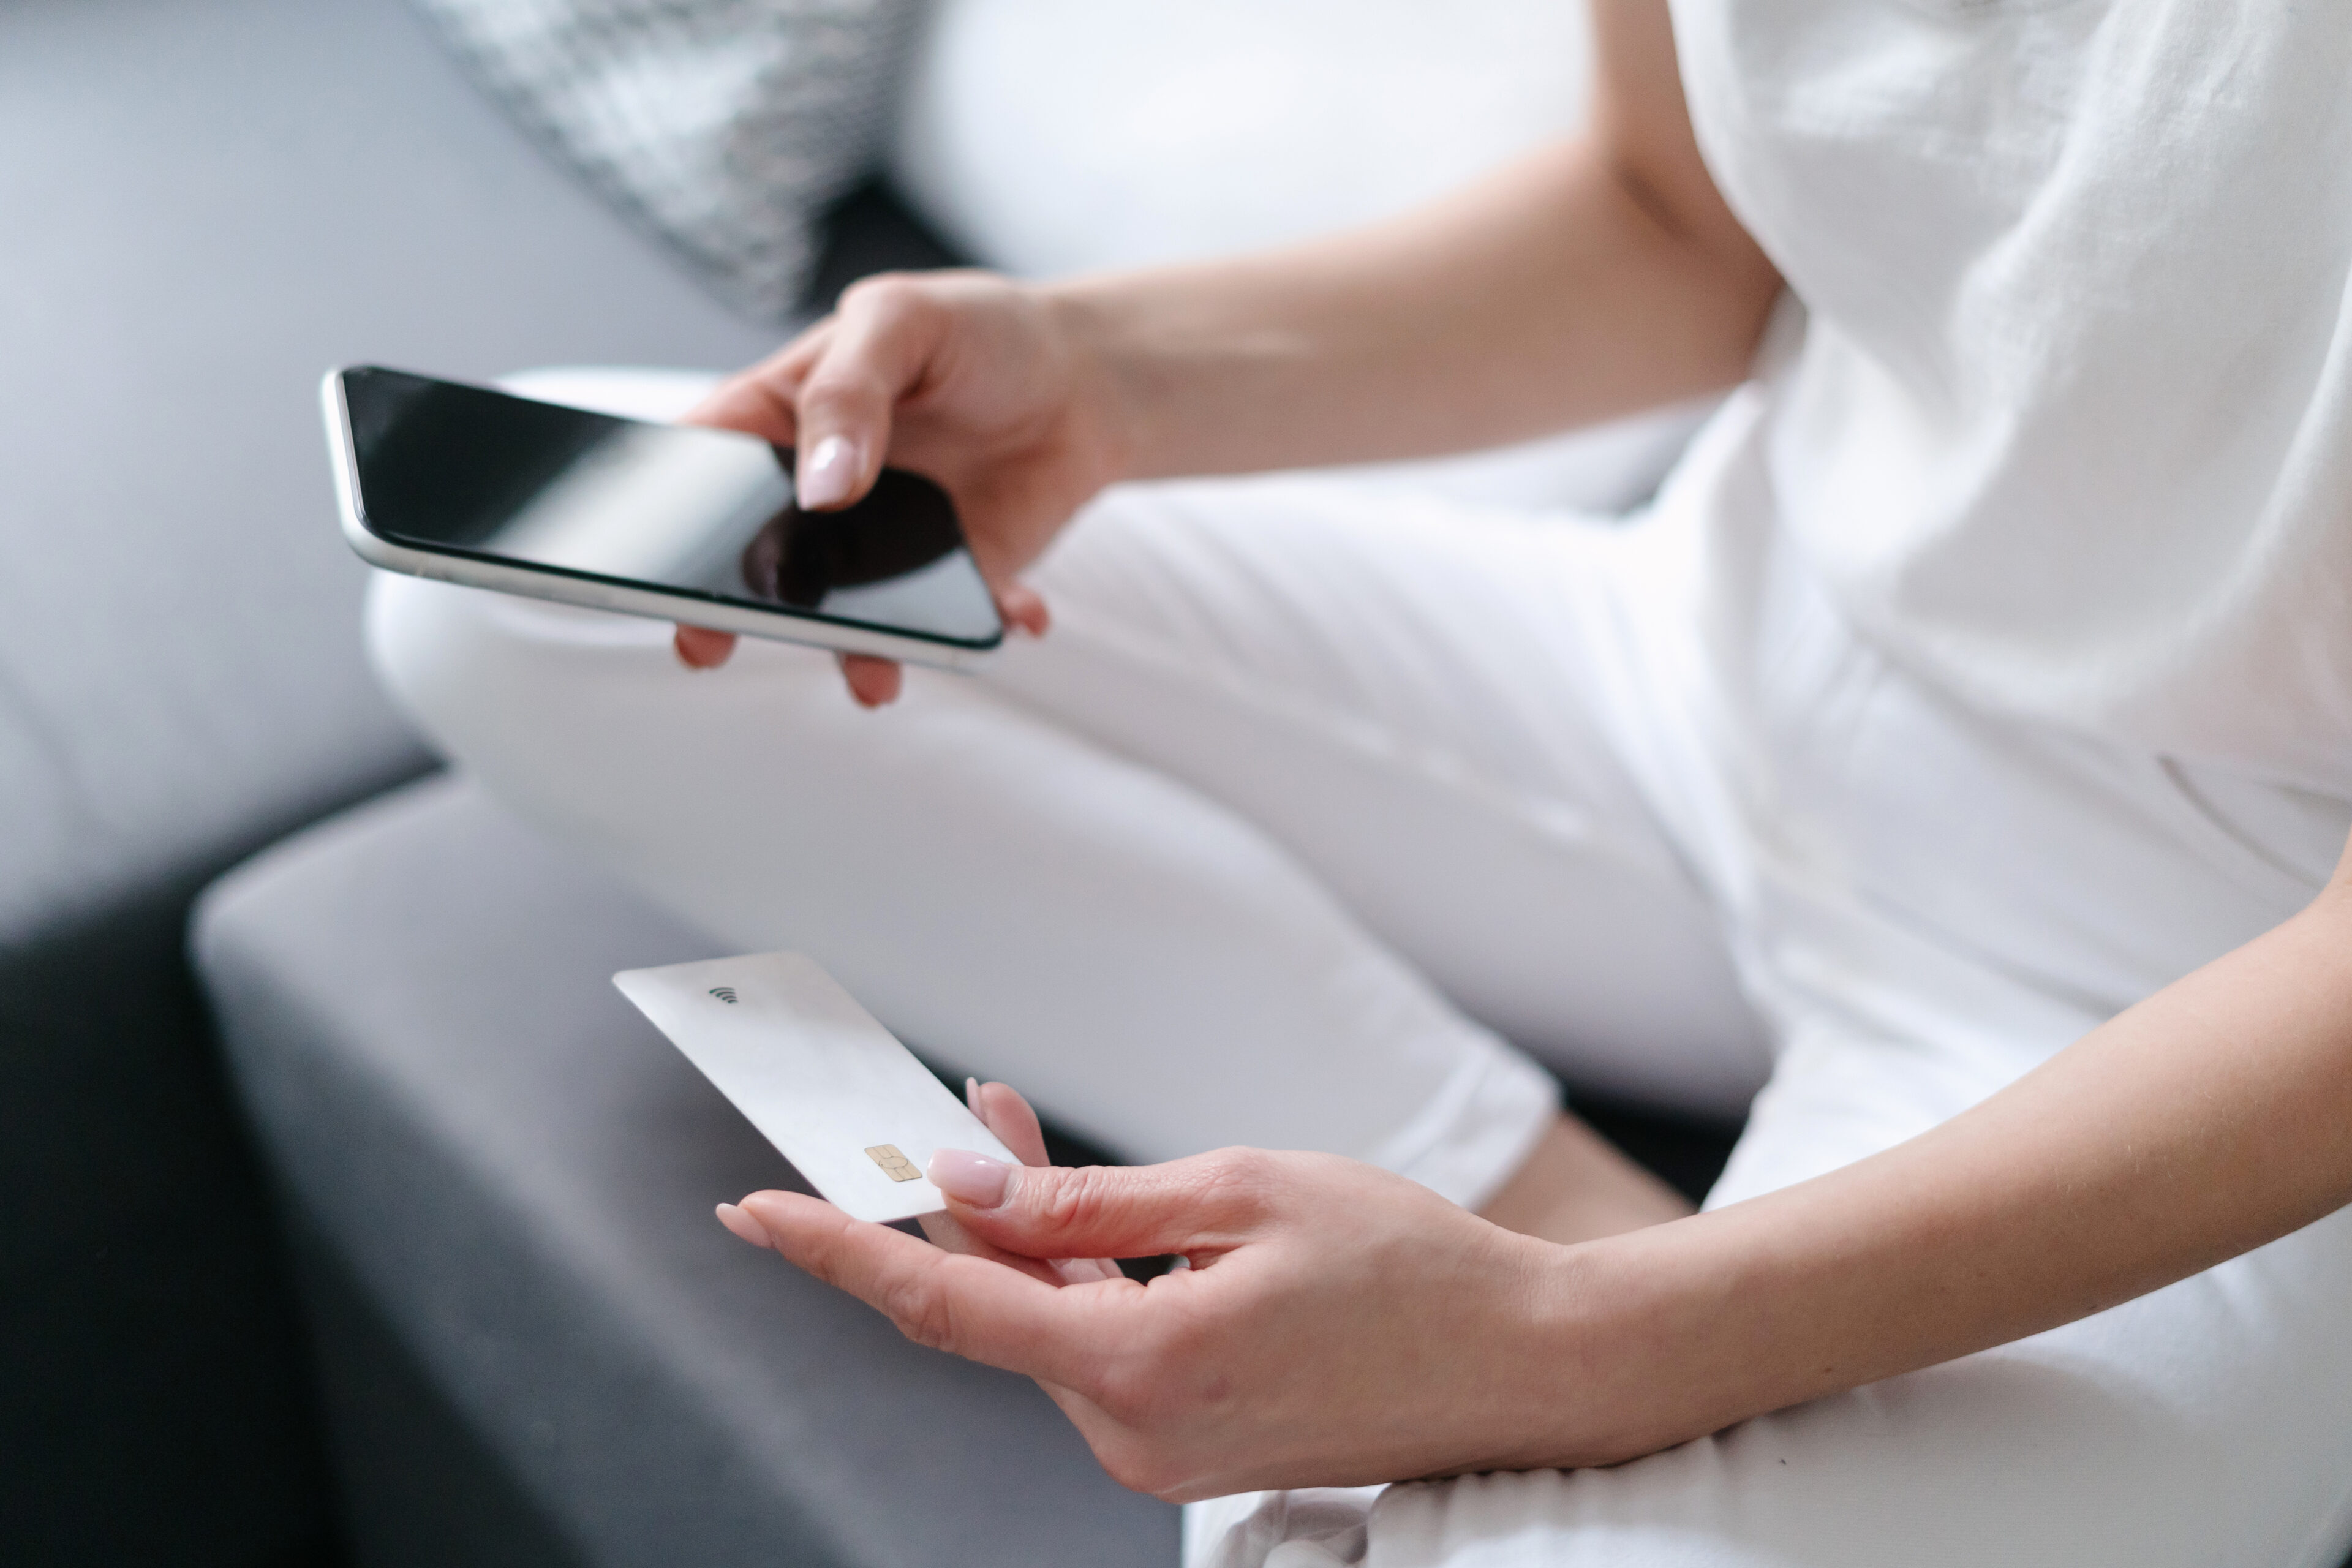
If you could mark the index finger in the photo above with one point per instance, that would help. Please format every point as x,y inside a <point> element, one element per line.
<point>700,647</point>
<point>952,1301</point>
<point>761,400</point>
<point>882,336</point>
<point>1003,1111</point>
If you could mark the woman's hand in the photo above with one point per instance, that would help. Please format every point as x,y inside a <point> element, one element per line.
<point>1337,1324</point>
<point>986,385</point>
<point>1003,1111</point>
<point>1340,1325</point>
<point>1585,283</point>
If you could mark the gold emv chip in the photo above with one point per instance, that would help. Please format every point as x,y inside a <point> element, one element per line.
<point>895,1166</point>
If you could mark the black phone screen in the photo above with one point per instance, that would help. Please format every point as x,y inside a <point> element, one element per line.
<point>708,514</point>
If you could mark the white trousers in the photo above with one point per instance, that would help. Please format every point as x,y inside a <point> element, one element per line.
<point>1324,809</point>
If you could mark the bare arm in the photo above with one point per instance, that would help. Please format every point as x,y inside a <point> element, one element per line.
<point>1343,1326</point>
<point>2208,1120</point>
<point>1588,280</point>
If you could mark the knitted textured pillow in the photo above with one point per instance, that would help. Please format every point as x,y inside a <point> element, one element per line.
<point>723,126</point>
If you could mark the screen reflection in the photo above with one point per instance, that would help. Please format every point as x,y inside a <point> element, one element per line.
<point>693,511</point>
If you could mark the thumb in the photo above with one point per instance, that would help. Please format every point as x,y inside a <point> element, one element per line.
<point>1206,1203</point>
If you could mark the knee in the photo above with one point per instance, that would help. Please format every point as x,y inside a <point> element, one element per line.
<point>416,634</point>
<point>436,644</point>
<point>462,661</point>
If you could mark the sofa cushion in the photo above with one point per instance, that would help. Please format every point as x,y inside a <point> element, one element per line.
<point>212,203</point>
<point>1054,136</point>
<point>517,1171</point>
<point>720,126</point>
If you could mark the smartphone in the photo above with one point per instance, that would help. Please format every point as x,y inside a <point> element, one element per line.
<point>679,522</point>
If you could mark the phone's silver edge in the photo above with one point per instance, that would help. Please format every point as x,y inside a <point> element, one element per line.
<point>556,588</point>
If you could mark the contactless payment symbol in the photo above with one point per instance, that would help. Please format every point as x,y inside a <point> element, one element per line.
<point>895,1166</point>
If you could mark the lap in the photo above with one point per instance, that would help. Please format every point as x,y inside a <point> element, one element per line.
<point>2200,1424</point>
<point>1395,694</point>
<point>1408,692</point>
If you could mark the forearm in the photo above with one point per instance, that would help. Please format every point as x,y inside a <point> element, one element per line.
<point>2204,1122</point>
<point>1546,297</point>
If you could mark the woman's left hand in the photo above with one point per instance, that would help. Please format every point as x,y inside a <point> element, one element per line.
<point>1337,1324</point>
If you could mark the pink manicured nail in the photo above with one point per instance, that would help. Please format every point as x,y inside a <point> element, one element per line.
<point>745,1227</point>
<point>827,472</point>
<point>971,1178</point>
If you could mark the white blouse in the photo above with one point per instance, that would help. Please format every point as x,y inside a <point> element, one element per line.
<point>2070,432</point>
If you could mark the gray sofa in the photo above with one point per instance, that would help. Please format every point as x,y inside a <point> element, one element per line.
<point>207,203</point>
<point>502,1181</point>
<point>431,1277</point>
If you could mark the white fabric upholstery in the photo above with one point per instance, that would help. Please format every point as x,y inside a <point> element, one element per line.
<point>1060,136</point>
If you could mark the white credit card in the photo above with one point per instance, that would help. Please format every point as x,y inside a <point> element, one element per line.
<point>830,1087</point>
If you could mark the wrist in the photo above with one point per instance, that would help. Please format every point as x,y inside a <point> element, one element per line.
<point>1113,383</point>
<point>1630,1332</point>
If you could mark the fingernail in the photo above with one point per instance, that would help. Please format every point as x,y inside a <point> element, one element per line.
<point>971,1178</point>
<point>745,1227</point>
<point>972,1095</point>
<point>827,472</point>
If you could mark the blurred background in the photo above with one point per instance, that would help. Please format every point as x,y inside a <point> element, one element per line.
<point>216,1348</point>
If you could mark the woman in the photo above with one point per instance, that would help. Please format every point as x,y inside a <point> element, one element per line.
<point>1970,727</point>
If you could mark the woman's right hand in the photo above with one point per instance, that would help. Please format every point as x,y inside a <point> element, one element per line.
<point>989,386</point>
